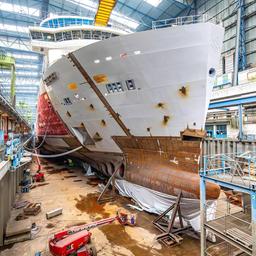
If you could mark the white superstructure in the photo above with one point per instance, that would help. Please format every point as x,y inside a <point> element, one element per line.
<point>58,36</point>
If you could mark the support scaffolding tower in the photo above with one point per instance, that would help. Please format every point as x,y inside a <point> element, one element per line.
<point>235,223</point>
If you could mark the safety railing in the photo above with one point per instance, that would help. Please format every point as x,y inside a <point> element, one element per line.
<point>185,20</point>
<point>238,169</point>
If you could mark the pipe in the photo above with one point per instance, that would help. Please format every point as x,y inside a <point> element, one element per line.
<point>57,155</point>
<point>240,112</point>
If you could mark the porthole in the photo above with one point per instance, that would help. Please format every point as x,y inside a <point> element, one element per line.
<point>212,72</point>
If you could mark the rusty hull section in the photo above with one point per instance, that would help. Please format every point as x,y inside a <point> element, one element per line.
<point>165,164</point>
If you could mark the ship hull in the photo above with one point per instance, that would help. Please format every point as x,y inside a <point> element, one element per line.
<point>127,99</point>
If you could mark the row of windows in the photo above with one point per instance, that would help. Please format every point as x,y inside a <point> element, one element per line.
<point>71,35</point>
<point>118,86</point>
<point>64,22</point>
<point>218,131</point>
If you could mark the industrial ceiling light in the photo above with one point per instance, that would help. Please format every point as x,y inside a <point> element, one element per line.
<point>155,3</point>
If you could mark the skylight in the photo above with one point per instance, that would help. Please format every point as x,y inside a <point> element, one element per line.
<point>19,9</point>
<point>124,20</point>
<point>14,28</point>
<point>25,56</point>
<point>21,82</point>
<point>26,66</point>
<point>87,4</point>
<point>154,3</point>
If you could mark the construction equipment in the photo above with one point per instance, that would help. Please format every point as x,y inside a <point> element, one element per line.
<point>170,235</point>
<point>38,177</point>
<point>77,240</point>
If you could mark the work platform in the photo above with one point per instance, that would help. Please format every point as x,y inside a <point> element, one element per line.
<point>235,224</point>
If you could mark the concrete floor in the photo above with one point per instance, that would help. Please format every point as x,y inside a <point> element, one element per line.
<point>77,196</point>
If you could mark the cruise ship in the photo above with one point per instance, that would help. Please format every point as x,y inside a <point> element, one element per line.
<point>136,102</point>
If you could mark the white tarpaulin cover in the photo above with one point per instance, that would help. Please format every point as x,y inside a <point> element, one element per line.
<point>157,202</point>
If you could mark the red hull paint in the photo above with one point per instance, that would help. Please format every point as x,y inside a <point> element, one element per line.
<point>48,121</point>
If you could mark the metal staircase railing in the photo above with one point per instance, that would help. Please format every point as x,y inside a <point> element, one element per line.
<point>185,20</point>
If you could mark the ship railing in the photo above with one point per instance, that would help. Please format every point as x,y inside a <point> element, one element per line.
<point>185,20</point>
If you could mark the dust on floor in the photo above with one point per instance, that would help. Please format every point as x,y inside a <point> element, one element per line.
<point>78,200</point>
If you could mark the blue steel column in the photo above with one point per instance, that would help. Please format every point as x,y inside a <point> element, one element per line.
<point>240,116</point>
<point>203,206</point>
<point>253,209</point>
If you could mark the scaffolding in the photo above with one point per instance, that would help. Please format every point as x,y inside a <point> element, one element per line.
<point>8,63</point>
<point>235,219</point>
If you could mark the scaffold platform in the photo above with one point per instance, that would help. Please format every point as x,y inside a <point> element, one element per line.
<point>234,224</point>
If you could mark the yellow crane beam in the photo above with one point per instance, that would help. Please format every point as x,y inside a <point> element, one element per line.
<point>104,11</point>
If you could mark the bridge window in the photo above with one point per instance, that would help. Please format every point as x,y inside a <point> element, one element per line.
<point>76,34</point>
<point>36,35</point>
<point>67,35</point>
<point>96,35</point>
<point>106,35</point>
<point>58,36</point>
<point>86,34</point>
<point>48,37</point>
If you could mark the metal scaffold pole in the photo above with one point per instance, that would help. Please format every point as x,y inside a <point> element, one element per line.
<point>203,214</point>
<point>240,115</point>
<point>253,223</point>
